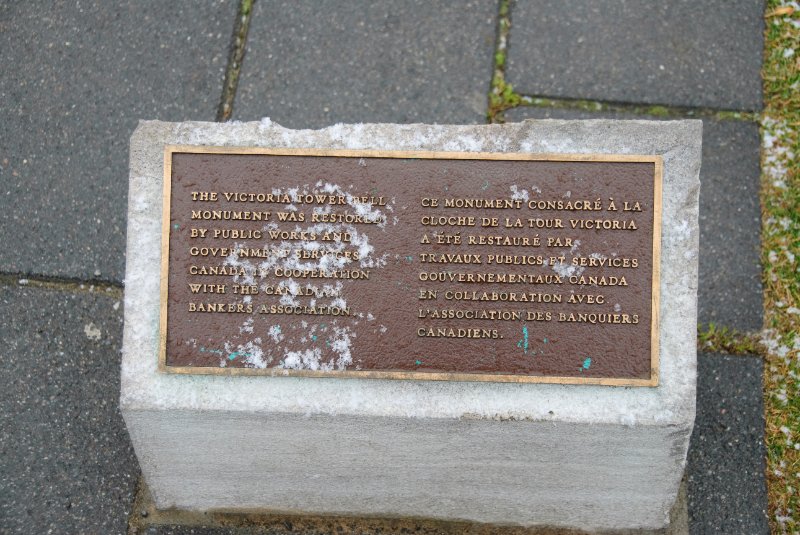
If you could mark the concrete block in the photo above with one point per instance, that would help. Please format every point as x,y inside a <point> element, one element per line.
<point>573,456</point>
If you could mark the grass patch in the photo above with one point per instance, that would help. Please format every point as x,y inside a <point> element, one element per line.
<point>712,338</point>
<point>501,94</point>
<point>780,198</point>
<point>235,58</point>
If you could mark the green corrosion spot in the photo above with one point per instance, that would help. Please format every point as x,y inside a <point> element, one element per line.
<point>586,363</point>
<point>418,362</point>
<point>523,343</point>
<point>176,226</point>
<point>238,353</point>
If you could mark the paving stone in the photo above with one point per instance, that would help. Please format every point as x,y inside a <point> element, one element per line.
<point>66,463</point>
<point>676,52</point>
<point>730,290</point>
<point>727,491</point>
<point>77,79</point>
<point>314,63</point>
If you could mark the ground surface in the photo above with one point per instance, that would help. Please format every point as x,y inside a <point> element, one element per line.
<point>78,78</point>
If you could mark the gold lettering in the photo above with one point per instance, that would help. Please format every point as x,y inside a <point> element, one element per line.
<point>204,196</point>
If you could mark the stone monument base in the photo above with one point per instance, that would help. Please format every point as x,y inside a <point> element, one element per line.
<point>147,515</point>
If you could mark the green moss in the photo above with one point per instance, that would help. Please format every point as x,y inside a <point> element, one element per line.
<point>500,59</point>
<point>501,94</point>
<point>501,98</point>
<point>504,8</point>
<point>657,111</point>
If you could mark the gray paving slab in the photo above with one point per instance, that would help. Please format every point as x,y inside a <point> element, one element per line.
<point>313,63</point>
<point>676,52</point>
<point>730,289</point>
<point>66,463</point>
<point>77,78</point>
<point>727,490</point>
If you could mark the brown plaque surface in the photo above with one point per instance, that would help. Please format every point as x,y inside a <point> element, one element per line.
<point>411,265</point>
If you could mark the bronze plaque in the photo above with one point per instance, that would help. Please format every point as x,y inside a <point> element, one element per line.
<point>411,265</point>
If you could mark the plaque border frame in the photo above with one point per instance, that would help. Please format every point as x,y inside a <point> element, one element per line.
<point>655,159</point>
